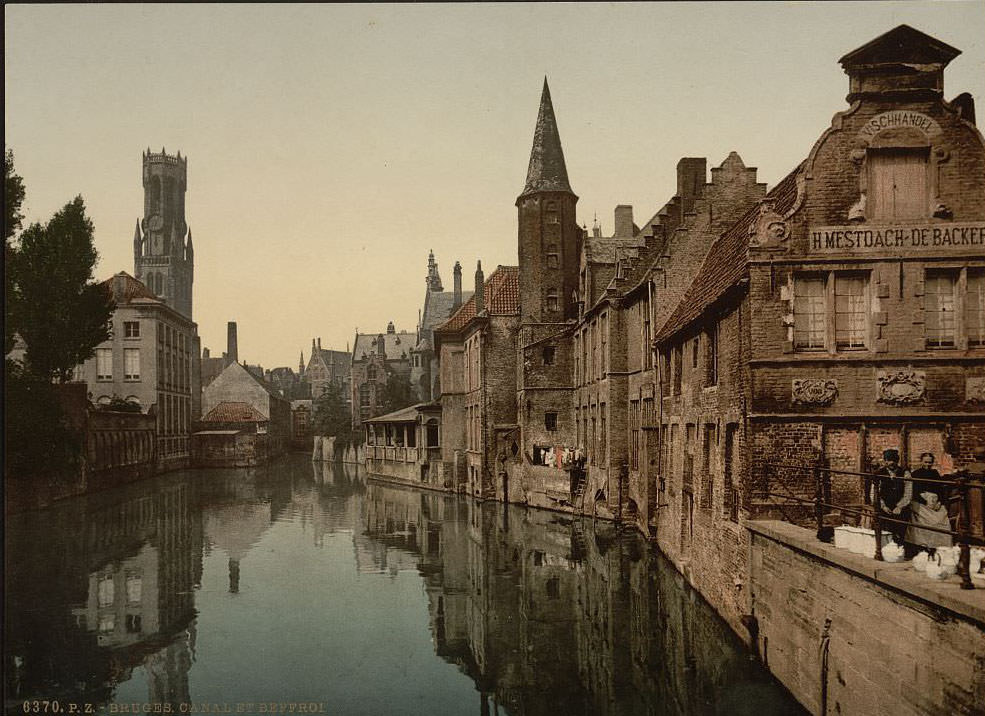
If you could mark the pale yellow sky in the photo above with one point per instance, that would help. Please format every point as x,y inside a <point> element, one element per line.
<point>331,146</point>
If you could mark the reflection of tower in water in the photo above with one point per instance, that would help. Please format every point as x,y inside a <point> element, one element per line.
<point>233,576</point>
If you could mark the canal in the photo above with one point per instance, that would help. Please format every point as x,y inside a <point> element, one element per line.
<point>303,586</point>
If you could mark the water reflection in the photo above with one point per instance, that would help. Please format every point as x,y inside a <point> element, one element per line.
<point>228,585</point>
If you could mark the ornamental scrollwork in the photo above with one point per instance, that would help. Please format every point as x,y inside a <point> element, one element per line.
<point>901,387</point>
<point>814,391</point>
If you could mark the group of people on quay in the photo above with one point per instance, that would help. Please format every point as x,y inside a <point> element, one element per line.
<point>915,506</point>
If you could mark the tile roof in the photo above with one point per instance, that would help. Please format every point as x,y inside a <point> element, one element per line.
<point>126,289</point>
<point>233,412</point>
<point>726,263</point>
<point>502,294</point>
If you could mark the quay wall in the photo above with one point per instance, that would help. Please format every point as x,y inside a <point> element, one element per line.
<point>849,635</point>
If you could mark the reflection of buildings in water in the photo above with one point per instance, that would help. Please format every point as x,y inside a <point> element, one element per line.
<point>235,528</point>
<point>552,615</point>
<point>168,668</point>
<point>112,578</point>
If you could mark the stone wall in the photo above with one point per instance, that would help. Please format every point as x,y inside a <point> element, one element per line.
<point>850,635</point>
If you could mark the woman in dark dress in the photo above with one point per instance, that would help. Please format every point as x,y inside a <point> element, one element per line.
<point>928,508</point>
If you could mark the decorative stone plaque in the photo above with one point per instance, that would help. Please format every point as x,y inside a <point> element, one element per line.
<point>974,389</point>
<point>814,391</point>
<point>768,230</point>
<point>901,387</point>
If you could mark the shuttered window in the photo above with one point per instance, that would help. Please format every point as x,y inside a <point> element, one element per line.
<point>898,184</point>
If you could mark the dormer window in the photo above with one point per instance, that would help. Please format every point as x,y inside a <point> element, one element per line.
<point>898,186</point>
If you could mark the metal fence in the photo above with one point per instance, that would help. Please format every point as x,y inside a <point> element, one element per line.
<point>965,504</point>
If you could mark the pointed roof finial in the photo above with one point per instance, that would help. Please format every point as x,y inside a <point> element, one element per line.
<point>546,171</point>
<point>136,232</point>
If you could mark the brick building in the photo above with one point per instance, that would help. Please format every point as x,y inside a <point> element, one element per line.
<point>839,316</point>
<point>376,357</point>
<point>438,307</point>
<point>476,350</point>
<point>326,366</point>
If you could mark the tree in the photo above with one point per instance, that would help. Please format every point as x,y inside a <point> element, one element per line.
<point>13,198</point>
<point>397,393</point>
<point>331,416</point>
<point>59,312</point>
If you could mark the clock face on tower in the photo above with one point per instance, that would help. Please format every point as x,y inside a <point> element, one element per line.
<point>156,222</point>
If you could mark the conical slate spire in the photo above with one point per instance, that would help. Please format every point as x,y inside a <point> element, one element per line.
<point>546,171</point>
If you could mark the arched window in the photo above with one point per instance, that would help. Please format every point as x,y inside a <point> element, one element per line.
<point>363,396</point>
<point>552,256</point>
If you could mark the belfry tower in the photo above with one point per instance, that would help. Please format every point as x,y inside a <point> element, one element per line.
<point>163,257</point>
<point>548,235</point>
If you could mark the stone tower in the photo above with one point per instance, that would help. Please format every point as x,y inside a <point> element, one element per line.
<point>548,236</point>
<point>163,257</point>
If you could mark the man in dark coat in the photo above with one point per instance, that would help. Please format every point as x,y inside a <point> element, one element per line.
<point>895,494</point>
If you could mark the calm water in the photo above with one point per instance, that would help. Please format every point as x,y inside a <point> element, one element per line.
<point>296,584</point>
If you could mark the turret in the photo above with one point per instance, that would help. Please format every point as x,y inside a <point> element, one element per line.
<point>549,239</point>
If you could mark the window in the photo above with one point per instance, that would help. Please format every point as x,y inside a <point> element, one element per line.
<point>134,586</point>
<point>553,588</point>
<point>104,364</point>
<point>133,623</point>
<point>131,329</point>
<point>710,465</point>
<point>371,372</point>
<point>832,306</point>
<point>548,355</point>
<point>646,348</point>
<point>604,354</point>
<point>851,325</point>
<point>938,308</point>
<point>712,353</point>
<point>695,345</point>
<point>131,364</point>
<point>106,591</point>
<point>808,313</point>
<point>552,302</point>
<point>974,308</point>
<point>678,367</point>
<point>550,421</point>
<point>552,256</point>
<point>731,497</point>
<point>898,184</point>
<point>364,396</point>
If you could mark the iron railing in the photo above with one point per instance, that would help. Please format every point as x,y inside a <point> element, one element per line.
<point>963,486</point>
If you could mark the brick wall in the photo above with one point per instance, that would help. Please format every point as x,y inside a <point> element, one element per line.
<point>828,626</point>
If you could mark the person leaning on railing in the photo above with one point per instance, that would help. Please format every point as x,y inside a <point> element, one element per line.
<point>895,495</point>
<point>928,508</point>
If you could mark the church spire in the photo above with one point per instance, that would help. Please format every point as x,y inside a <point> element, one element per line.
<point>434,279</point>
<point>546,171</point>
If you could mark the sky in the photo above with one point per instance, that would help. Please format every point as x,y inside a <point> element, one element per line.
<point>330,147</point>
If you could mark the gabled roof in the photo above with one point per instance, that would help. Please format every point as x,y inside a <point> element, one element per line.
<point>234,412</point>
<point>127,289</point>
<point>502,298</point>
<point>726,263</point>
<point>901,44</point>
<point>396,345</point>
<point>546,171</point>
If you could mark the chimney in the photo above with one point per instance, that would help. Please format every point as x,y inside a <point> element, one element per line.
<point>624,222</point>
<point>205,354</point>
<point>458,286</point>
<point>480,282</point>
<point>232,345</point>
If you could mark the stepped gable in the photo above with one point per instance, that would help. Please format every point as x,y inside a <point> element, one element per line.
<point>726,263</point>
<point>233,412</point>
<point>501,294</point>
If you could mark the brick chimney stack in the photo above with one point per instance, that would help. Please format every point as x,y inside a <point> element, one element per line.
<point>458,286</point>
<point>480,282</point>
<point>232,344</point>
<point>625,229</point>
